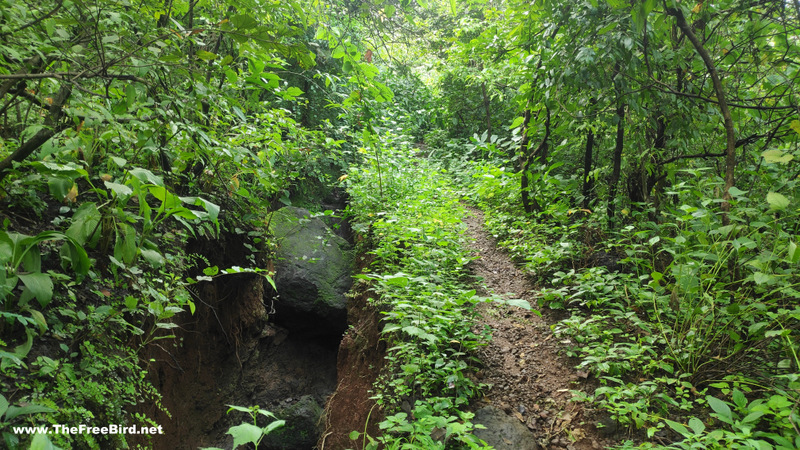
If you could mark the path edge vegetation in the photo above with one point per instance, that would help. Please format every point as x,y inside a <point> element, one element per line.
<point>410,221</point>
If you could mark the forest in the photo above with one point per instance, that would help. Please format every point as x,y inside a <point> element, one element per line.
<point>638,160</point>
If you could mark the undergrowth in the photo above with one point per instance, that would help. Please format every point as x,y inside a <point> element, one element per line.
<point>407,210</point>
<point>690,326</point>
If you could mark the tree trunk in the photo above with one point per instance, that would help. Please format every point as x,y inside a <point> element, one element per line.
<point>539,156</point>
<point>487,106</point>
<point>525,158</point>
<point>588,181</point>
<point>617,164</point>
<point>730,147</point>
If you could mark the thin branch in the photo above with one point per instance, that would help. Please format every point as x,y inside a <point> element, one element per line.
<point>700,155</point>
<point>27,25</point>
<point>67,76</point>
<point>53,125</point>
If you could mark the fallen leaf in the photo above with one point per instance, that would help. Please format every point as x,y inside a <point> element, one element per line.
<point>72,194</point>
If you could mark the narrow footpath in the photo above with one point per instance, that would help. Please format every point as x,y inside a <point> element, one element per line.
<point>530,380</point>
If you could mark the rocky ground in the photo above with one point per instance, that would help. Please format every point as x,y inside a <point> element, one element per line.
<point>530,379</point>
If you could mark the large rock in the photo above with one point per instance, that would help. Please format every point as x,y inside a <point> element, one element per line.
<point>313,273</point>
<point>302,430</point>
<point>503,432</point>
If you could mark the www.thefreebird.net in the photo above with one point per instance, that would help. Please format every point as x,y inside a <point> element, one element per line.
<point>89,429</point>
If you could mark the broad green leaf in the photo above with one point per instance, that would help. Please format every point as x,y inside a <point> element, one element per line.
<point>607,28</point>
<point>16,411</point>
<point>795,126</point>
<point>125,245</point>
<point>41,442</point>
<point>73,254</point>
<point>60,187</point>
<point>793,253</point>
<point>238,408</point>
<point>245,433</point>
<point>153,257</point>
<point>264,412</point>
<point>697,425</point>
<point>409,369</point>
<point>682,430</point>
<point>3,405</point>
<point>273,426</point>
<point>244,21</point>
<point>517,122</point>
<point>294,91</point>
<point>120,162</point>
<point>120,190</point>
<point>205,56</point>
<point>131,302</point>
<point>40,285</point>
<point>38,317</point>
<point>777,201</point>
<point>753,416</point>
<point>721,408</point>
<point>453,8</point>
<point>776,156</point>
<point>146,176</point>
<point>231,76</point>
<point>85,225</point>
<point>762,278</point>
<point>397,281</point>
<point>6,247</point>
<point>168,200</point>
<point>739,399</point>
<point>736,192</point>
<point>130,96</point>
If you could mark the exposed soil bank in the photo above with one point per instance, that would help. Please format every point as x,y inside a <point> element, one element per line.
<point>360,360</point>
<point>229,353</point>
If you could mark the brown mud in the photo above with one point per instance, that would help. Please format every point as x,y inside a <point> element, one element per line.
<point>530,378</point>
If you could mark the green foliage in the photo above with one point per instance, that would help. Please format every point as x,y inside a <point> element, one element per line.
<point>696,302</point>
<point>405,207</point>
<point>128,131</point>
<point>251,433</point>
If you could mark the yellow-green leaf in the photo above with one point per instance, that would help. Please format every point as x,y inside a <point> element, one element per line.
<point>776,156</point>
<point>777,201</point>
<point>795,126</point>
<point>205,56</point>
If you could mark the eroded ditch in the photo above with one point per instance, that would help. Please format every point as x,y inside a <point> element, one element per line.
<point>247,346</point>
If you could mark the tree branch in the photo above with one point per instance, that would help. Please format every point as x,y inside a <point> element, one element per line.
<point>730,136</point>
<point>68,76</point>
<point>700,155</point>
<point>53,125</point>
<point>39,19</point>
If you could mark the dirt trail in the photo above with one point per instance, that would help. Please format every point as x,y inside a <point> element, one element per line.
<point>530,380</point>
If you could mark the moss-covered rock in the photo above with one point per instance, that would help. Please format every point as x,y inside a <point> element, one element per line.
<point>302,429</point>
<point>313,272</point>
